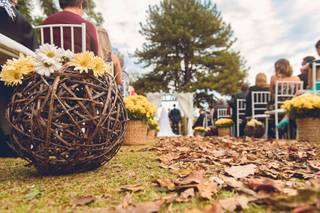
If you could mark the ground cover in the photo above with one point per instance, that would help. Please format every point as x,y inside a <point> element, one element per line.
<point>176,175</point>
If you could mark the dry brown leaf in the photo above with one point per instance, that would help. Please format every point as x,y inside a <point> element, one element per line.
<point>234,203</point>
<point>186,195</point>
<point>147,207</point>
<point>264,184</point>
<point>207,189</point>
<point>166,183</point>
<point>304,209</point>
<point>83,200</point>
<point>132,188</point>
<point>241,171</point>
<point>194,178</point>
<point>215,208</point>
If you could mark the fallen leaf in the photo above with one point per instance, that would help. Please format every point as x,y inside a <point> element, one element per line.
<point>241,171</point>
<point>304,209</point>
<point>147,207</point>
<point>33,194</point>
<point>132,188</point>
<point>207,189</point>
<point>234,203</point>
<point>194,177</point>
<point>166,183</point>
<point>186,195</point>
<point>215,208</point>
<point>83,200</point>
<point>264,184</point>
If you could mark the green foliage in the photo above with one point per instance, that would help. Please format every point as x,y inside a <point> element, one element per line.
<point>188,46</point>
<point>49,7</point>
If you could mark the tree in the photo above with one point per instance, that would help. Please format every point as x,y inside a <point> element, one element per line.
<point>188,48</point>
<point>49,7</point>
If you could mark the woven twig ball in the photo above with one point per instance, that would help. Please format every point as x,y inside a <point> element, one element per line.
<point>68,122</point>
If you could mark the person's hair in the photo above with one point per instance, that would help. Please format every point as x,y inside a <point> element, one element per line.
<point>73,3</point>
<point>105,45</point>
<point>318,44</point>
<point>308,60</point>
<point>283,67</point>
<point>174,105</point>
<point>261,80</point>
<point>244,87</point>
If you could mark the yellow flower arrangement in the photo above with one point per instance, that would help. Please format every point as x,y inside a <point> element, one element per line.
<point>139,108</point>
<point>254,123</point>
<point>304,106</point>
<point>153,123</point>
<point>84,62</point>
<point>224,122</point>
<point>14,70</point>
<point>200,129</point>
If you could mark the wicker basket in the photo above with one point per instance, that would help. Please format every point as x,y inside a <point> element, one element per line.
<point>224,131</point>
<point>151,135</point>
<point>308,129</point>
<point>68,122</point>
<point>136,133</point>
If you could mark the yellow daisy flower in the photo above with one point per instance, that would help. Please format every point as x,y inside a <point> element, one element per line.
<point>83,62</point>
<point>11,77</point>
<point>100,67</point>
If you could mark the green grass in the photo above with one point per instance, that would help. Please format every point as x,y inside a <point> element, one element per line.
<point>24,190</point>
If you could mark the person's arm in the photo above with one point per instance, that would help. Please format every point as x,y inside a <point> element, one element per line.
<point>117,69</point>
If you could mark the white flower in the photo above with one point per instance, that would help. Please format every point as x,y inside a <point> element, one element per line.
<point>66,55</point>
<point>49,54</point>
<point>44,68</point>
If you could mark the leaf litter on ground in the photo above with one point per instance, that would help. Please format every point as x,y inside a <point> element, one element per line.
<point>254,168</point>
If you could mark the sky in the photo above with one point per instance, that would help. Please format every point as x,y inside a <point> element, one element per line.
<point>266,30</point>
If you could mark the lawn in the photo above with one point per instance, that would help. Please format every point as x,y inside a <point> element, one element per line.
<point>128,180</point>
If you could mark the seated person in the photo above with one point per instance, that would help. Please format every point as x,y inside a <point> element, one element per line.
<point>283,72</point>
<point>261,85</point>
<point>72,13</point>
<point>118,64</point>
<point>105,48</point>
<point>16,27</point>
<point>306,67</point>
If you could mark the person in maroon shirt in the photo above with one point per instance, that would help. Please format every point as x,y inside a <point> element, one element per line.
<point>72,13</point>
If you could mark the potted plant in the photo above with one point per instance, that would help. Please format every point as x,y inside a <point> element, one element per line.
<point>254,128</point>
<point>140,110</point>
<point>152,129</point>
<point>305,109</point>
<point>199,131</point>
<point>224,126</point>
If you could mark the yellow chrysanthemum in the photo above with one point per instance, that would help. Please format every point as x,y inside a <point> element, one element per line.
<point>224,122</point>
<point>11,77</point>
<point>24,65</point>
<point>139,106</point>
<point>83,62</point>
<point>100,67</point>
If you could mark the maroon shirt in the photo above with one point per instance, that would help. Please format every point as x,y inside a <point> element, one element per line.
<point>66,17</point>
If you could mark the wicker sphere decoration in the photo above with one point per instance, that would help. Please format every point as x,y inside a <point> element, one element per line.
<point>69,122</point>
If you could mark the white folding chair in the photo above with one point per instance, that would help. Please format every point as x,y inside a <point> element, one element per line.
<point>314,76</point>
<point>285,90</point>
<point>62,27</point>
<point>222,113</point>
<point>260,100</point>
<point>241,108</point>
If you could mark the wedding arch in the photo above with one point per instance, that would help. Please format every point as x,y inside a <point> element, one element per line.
<point>185,101</point>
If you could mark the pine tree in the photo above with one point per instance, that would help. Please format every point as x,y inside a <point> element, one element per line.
<point>188,48</point>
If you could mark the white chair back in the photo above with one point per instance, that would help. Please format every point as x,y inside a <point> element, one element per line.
<point>241,111</point>
<point>314,76</point>
<point>223,113</point>
<point>44,29</point>
<point>260,100</point>
<point>284,90</point>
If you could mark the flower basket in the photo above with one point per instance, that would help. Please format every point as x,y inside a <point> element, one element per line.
<point>66,113</point>
<point>151,135</point>
<point>308,129</point>
<point>306,110</point>
<point>224,131</point>
<point>68,122</point>
<point>254,129</point>
<point>136,133</point>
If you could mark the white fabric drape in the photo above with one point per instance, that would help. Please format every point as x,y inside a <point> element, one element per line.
<point>164,124</point>
<point>155,98</point>
<point>185,100</point>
